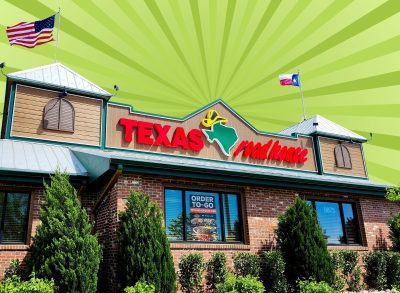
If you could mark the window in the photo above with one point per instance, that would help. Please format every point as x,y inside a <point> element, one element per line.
<point>14,217</point>
<point>342,156</point>
<point>202,216</point>
<point>338,221</point>
<point>59,114</point>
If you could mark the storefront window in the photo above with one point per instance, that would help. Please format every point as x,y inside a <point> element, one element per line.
<point>206,216</point>
<point>337,221</point>
<point>13,215</point>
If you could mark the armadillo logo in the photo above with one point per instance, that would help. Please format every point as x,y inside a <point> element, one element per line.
<point>225,136</point>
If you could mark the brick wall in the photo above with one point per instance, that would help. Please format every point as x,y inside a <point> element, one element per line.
<point>261,206</point>
<point>21,251</point>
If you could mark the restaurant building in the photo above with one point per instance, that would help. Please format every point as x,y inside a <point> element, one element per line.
<point>220,182</point>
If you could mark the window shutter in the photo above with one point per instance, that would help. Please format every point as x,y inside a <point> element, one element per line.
<point>59,114</point>
<point>51,114</point>
<point>67,116</point>
<point>342,156</point>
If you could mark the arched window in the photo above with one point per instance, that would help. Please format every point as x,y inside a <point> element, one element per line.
<point>342,156</point>
<point>59,114</point>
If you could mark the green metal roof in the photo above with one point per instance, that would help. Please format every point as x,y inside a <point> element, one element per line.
<point>102,160</point>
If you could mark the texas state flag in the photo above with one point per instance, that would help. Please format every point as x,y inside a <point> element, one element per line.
<point>289,79</point>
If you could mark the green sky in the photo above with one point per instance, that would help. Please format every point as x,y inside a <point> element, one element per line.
<point>173,56</point>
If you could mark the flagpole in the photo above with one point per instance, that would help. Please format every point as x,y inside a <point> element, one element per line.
<point>58,33</point>
<point>302,97</point>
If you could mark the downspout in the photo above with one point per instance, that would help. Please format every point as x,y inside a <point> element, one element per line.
<point>105,191</point>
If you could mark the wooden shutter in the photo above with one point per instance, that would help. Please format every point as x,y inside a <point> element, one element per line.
<point>59,114</point>
<point>342,156</point>
<point>67,116</point>
<point>51,114</point>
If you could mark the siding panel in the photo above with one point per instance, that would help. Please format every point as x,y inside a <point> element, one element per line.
<point>327,146</point>
<point>28,114</point>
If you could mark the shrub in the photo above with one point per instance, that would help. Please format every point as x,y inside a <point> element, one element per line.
<point>347,270</point>
<point>140,287</point>
<point>315,287</point>
<point>246,264</point>
<point>393,269</point>
<point>375,270</point>
<point>394,233</point>
<point>303,245</point>
<point>64,248</point>
<point>145,253</point>
<point>239,284</point>
<point>14,269</point>
<point>191,267</point>
<point>339,281</point>
<point>216,271</point>
<point>33,285</point>
<point>274,272</point>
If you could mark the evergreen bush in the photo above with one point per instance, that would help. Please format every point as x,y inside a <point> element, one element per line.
<point>339,281</point>
<point>14,284</point>
<point>246,264</point>
<point>145,253</point>
<point>394,233</point>
<point>64,248</point>
<point>375,270</point>
<point>191,267</point>
<point>216,271</point>
<point>393,270</point>
<point>239,284</point>
<point>274,272</point>
<point>303,244</point>
<point>347,270</point>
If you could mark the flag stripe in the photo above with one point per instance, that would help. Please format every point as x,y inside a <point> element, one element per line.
<point>28,41</point>
<point>31,36</point>
<point>19,25</point>
<point>21,30</point>
<point>32,45</point>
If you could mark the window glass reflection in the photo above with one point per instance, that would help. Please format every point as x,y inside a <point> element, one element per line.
<point>173,214</point>
<point>330,221</point>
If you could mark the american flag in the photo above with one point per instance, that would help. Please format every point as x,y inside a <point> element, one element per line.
<point>31,34</point>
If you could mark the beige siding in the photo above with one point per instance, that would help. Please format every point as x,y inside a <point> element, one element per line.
<point>115,137</point>
<point>327,147</point>
<point>28,114</point>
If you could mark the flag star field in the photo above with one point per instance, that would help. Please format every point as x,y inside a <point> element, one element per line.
<point>173,57</point>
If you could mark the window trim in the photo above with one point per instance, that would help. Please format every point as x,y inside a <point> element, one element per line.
<point>183,194</point>
<point>355,214</point>
<point>27,220</point>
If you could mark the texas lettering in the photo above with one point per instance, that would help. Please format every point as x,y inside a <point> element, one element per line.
<point>155,134</point>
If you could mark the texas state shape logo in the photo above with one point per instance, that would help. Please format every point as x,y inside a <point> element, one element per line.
<point>226,137</point>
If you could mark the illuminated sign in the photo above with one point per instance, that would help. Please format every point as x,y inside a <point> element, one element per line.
<point>215,130</point>
<point>148,133</point>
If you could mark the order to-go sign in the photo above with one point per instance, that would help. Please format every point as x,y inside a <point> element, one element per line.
<point>202,204</point>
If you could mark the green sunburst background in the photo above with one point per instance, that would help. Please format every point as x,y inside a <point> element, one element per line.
<point>172,57</point>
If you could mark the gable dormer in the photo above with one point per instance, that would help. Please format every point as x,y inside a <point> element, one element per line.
<point>53,103</point>
<point>340,150</point>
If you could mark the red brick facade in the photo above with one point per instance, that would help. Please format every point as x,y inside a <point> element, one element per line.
<point>260,208</point>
